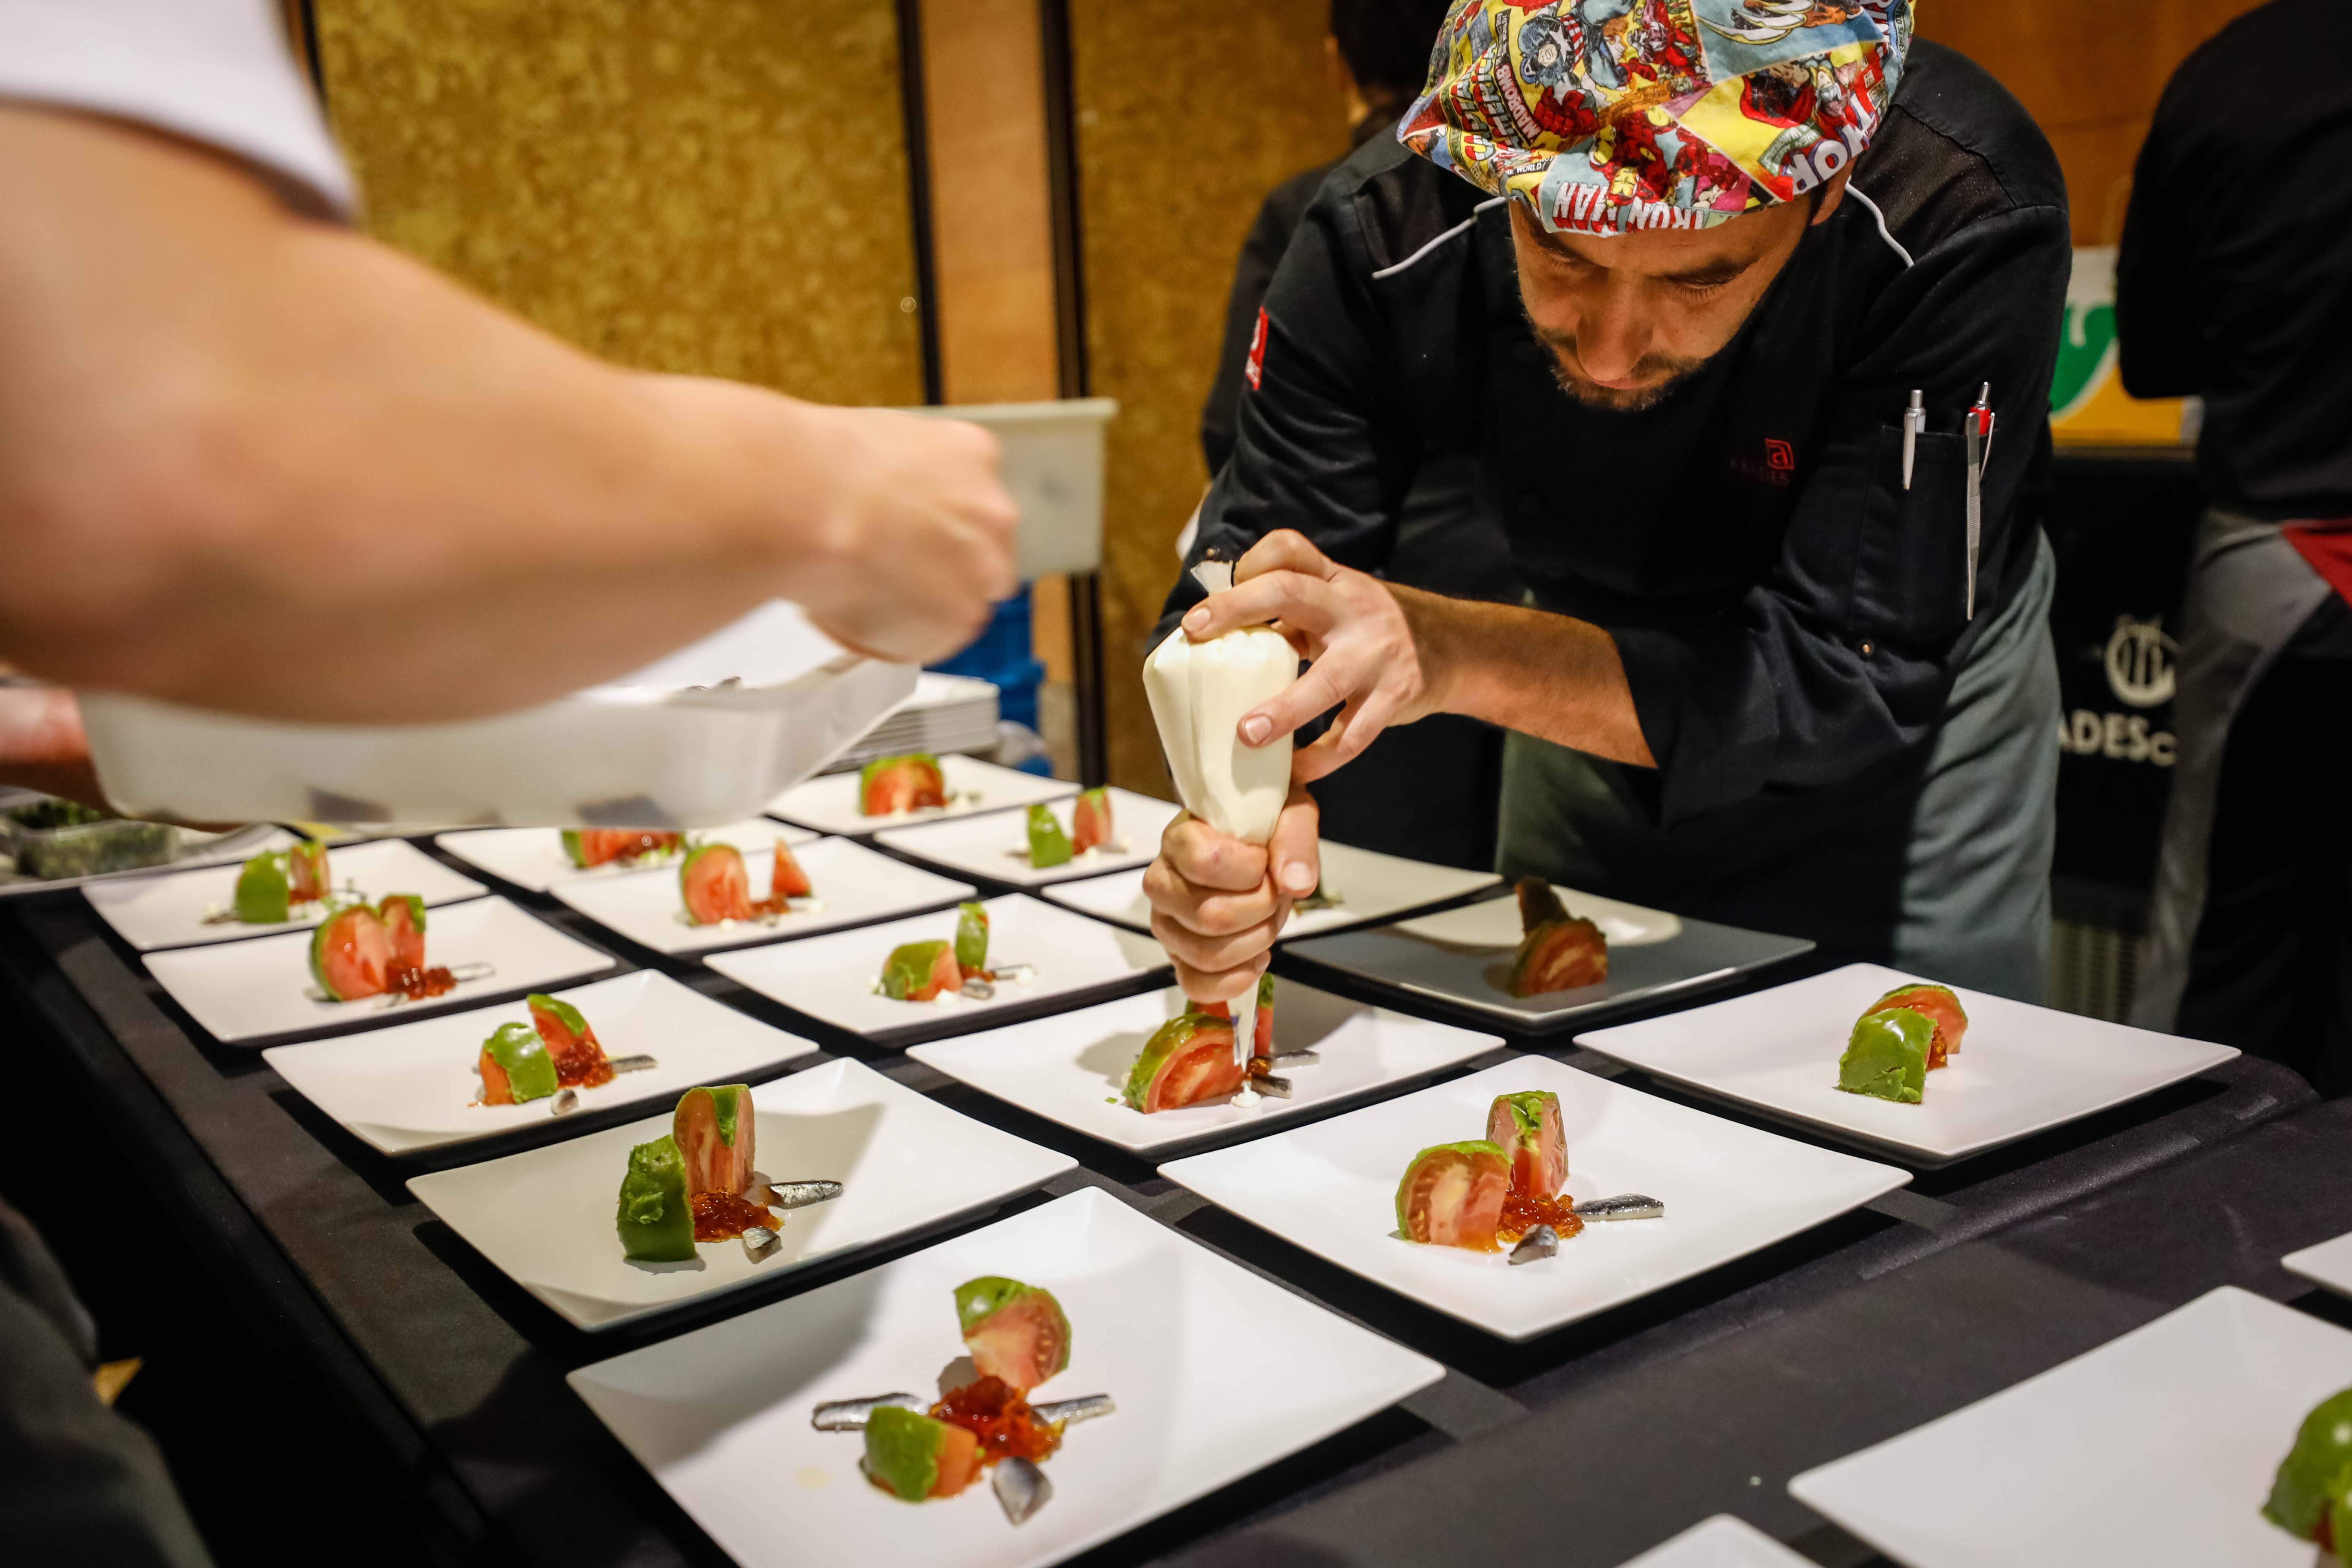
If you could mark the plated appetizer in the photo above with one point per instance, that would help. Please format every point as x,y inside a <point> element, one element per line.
<point>698,1185</point>
<point>1505,1188</point>
<point>716,886</point>
<point>376,949</point>
<point>1557,951</point>
<point>1191,1059</point>
<point>550,1058</point>
<point>589,848</point>
<point>892,787</point>
<point>1900,1039</point>
<point>2311,1499</point>
<point>926,971</point>
<point>1090,829</point>
<point>1017,1337</point>
<point>273,886</point>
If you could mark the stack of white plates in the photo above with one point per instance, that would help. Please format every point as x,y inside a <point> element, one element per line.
<point>946,713</point>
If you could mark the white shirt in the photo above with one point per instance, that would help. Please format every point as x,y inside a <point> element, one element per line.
<point>216,72</point>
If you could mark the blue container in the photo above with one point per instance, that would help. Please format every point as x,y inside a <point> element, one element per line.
<point>1003,656</point>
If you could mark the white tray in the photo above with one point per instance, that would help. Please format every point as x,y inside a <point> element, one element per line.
<point>262,989</point>
<point>2021,1070</point>
<point>1729,1190</point>
<point>1071,1067</point>
<point>852,884</point>
<point>996,843</point>
<point>830,805</point>
<point>721,1416</point>
<point>1371,886</point>
<point>411,1088</point>
<point>648,752</point>
<point>533,857</point>
<point>170,910</point>
<point>833,977</point>
<point>1726,1541</point>
<point>2157,1449</point>
<point>545,1217</point>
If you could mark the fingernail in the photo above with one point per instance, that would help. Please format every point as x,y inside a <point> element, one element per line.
<point>1196,619</point>
<point>1258,729</point>
<point>1298,877</point>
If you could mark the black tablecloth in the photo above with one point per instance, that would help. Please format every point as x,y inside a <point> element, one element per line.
<point>456,1375</point>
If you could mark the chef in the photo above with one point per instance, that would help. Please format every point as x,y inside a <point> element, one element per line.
<point>1676,276</point>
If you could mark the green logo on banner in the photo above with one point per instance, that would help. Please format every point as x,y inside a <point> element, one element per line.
<point>2086,357</point>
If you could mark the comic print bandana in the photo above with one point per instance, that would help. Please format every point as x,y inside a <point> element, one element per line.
<point>1607,116</point>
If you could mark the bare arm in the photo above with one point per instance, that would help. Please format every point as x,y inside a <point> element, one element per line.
<point>263,464</point>
<point>1385,654</point>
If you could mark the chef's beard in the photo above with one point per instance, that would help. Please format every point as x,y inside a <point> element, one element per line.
<point>1670,372</point>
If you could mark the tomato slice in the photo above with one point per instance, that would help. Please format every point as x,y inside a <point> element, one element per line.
<point>1090,821</point>
<point>403,921</point>
<point>1199,1073</point>
<point>1938,1006</point>
<point>788,880</point>
<point>702,1126</point>
<point>1526,1127</point>
<point>1560,955</point>
<point>351,954</point>
<point>715,884</point>
<point>959,1461</point>
<point>1017,1334</point>
<point>1451,1196</point>
<point>892,784</point>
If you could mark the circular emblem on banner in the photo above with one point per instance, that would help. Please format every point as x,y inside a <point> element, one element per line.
<point>2140,663</point>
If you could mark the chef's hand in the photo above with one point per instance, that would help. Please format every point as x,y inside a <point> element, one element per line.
<point>1355,630</point>
<point>1218,903</point>
<point>915,541</point>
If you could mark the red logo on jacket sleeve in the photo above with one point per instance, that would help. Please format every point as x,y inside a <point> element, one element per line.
<point>1778,455</point>
<point>1256,371</point>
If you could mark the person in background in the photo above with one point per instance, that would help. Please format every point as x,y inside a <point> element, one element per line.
<point>1673,282</point>
<point>2234,284</point>
<point>1429,791</point>
<point>254,461</point>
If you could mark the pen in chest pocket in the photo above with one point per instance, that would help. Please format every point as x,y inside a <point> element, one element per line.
<point>1975,429</point>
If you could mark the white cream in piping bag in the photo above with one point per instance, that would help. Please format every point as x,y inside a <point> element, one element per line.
<point>1200,692</point>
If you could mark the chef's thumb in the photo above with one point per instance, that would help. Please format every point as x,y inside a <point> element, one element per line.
<point>1292,854</point>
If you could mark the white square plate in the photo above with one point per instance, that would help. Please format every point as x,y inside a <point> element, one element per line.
<point>1726,1541</point>
<point>169,912</point>
<point>721,1416</point>
<point>996,843</point>
<point>904,1162</point>
<point>852,884</point>
<point>1728,1190</point>
<point>2157,1449</point>
<point>1463,956</point>
<point>262,989</point>
<point>829,804</point>
<point>1071,1067</point>
<point>2021,1070</point>
<point>1370,886</point>
<point>533,857</point>
<point>833,977</point>
<point>412,1086</point>
<point>2327,1265</point>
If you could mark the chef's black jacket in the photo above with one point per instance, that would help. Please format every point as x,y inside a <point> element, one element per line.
<point>1787,612</point>
<point>2235,278</point>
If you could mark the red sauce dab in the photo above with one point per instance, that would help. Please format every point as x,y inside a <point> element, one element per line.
<point>1007,1428</point>
<point>421,984</point>
<point>723,1216</point>
<point>575,1071</point>
<point>1522,1214</point>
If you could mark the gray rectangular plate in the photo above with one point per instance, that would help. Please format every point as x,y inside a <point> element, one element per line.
<point>1699,955</point>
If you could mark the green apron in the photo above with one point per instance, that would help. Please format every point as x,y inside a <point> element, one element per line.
<point>1936,861</point>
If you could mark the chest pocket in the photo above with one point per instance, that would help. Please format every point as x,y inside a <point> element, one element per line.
<point>1910,578</point>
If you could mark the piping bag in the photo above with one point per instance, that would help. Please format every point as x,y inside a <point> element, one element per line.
<point>1200,691</point>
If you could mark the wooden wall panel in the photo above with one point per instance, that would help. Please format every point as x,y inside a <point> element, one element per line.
<point>1188,112</point>
<point>2089,71</point>
<point>715,186</point>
